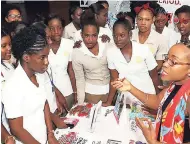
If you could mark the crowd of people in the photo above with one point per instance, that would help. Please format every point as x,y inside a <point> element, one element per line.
<point>47,68</point>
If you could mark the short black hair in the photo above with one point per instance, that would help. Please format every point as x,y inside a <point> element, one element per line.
<point>183,9</point>
<point>91,22</point>
<point>160,10</point>
<point>9,7</point>
<point>41,27</point>
<point>4,32</point>
<point>103,2</point>
<point>28,41</point>
<point>73,9</point>
<point>15,26</point>
<point>121,15</point>
<point>96,8</point>
<point>124,22</point>
<point>55,16</point>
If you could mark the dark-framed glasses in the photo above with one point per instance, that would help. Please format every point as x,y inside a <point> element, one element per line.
<point>173,63</point>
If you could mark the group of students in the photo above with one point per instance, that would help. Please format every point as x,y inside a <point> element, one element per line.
<point>85,61</point>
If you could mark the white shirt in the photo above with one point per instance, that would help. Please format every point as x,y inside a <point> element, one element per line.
<point>102,31</point>
<point>170,36</point>
<point>58,63</point>
<point>137,70</point>
<point>155,42</point>
<point>69,31</point>
<point>6,72</point>
<point>50,93</point>
<point>21,98</point>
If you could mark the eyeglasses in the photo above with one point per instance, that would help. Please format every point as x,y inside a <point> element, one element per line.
<point>173,63</point>
<point>13,16</point>
<point>184,21</point>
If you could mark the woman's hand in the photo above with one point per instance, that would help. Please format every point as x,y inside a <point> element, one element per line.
<point>52,139</point>
<point>10,141</point>
<point>59,122</point>
<point>149,111</point>
<point>75,98</point>
<point>59,107</point>
<point>122,85</point>
<point>106,104</point>
<point>105,38</point>
<point>148,131</point>
<point>77,44</point>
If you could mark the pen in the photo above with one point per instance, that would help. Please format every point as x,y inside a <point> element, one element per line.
<point>93,118</point>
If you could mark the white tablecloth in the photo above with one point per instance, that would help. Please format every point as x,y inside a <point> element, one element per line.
<point>106,128</point>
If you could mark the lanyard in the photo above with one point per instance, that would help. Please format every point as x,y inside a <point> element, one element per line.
<point>51,80</point>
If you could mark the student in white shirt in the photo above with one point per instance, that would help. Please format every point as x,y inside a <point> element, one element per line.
<point>100,14</point>
<point>70,29</point>
<point>131,60</point>
<point>53,93</point>
<point>6,71</point>
<point>60,61</point>
<point>182,21</point>
<point>24,95</point>
<point>160,23</point>
<point>90,66</point>
<point>145,35</point>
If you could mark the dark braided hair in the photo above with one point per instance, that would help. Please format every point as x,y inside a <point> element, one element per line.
<point>28,41</point>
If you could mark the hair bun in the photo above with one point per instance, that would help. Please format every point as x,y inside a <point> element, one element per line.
<point>121,16</point>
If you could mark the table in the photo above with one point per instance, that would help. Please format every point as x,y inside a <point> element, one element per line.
<point>106,128</point>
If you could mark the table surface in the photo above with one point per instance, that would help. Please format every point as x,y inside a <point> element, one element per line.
<point>105,127</point>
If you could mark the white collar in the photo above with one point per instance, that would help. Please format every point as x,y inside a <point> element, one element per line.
<point>86,51</point>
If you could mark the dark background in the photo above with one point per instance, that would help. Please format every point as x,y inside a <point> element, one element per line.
<point>32,8</point>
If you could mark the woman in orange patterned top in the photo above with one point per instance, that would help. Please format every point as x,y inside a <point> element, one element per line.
<point>173,103</point>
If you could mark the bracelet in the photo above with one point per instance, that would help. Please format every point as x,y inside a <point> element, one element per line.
<point>50,132</point>
<point>75,92</point>
<point>9,138</point>
<point>147,97</point>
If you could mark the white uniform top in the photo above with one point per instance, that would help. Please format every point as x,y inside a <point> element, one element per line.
<point>102,31</point>
<point>50,93</point>
<point>6,72</point>
<point>69,31</point>
<point>170,36</point>
<point>137,70</point>
<point>156,43</point>
<point>58,63</point>
<point>21,98</point>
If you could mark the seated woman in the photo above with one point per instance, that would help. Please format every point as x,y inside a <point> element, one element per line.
<point>172,103</point>
<point>6,71</point>
<point>26,105</point>
<point>131,60</point>
<point>90,65</point>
